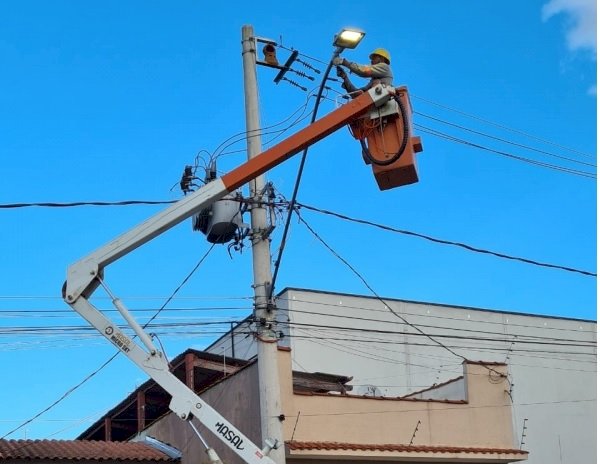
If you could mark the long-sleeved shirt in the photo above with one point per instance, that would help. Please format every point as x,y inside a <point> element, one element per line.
<point>378,73</point>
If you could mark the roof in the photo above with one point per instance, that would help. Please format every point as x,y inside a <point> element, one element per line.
<point>505,453</point>
<point>208,369</point>
<point>81,452</point>
<point>200,371</point>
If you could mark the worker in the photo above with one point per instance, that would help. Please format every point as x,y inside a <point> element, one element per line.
<point>379,71</point>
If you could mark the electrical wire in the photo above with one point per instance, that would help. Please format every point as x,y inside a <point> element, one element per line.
<point>166,330</point>
<point>79,204</point>
<point>363,280</point>
<point>432,339</point>
<point>299,177</point>
<point>469,337</point>
<point>107,362</point>
<point>291,49</point>
<point>277,132</point>
<point>450,243</point>
<point>505,141</point>
<point>63,329</point>
<point>219,151</point>
<point>335,305</point>
<point>452,138</point>
<point>502,126</point>
<point>438,344</point>
<point>60,399</point>
<point>434,326</point>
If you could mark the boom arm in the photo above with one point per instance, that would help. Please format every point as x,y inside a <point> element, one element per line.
<point>87,274</point>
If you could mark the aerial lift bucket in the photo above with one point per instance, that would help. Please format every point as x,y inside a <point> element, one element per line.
<point>391,158</point>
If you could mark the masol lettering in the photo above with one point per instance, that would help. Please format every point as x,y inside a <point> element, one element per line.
<point>230,435</point>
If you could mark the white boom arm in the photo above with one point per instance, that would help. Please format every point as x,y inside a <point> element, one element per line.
<point>84,276</point>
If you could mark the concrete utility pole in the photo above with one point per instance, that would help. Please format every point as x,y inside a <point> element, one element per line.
<point>268,366</point>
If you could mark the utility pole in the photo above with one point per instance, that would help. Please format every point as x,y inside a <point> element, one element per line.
<point>268,365</point>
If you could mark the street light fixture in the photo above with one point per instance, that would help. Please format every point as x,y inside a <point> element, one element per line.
<point>348,38</point>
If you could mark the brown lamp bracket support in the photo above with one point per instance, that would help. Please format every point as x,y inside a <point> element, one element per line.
<point>269,51</point>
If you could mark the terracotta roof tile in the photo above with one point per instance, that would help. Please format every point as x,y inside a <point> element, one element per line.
<point>80,451</point>
<point>330,445</point>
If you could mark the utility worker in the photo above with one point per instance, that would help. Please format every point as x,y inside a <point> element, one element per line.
<point>379,71</point>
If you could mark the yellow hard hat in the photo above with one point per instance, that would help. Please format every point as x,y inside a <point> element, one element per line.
<point>382,53</point>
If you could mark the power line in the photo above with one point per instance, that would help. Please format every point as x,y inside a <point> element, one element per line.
<point>105,364</point>
<point>503,127</point>
<point>418,329</point>
<point>505,141</point>
<point>373,291</point>
<point>434,326</point>
<point>82,331</point>
<point>68,329</point>
<point>277,262</point>
<point>360,308</point>
<point>450,243</point>
<point>63,397</point>
<point>452,138</point>
<point>191,298</point>
<point>555,343</point>
<point>439,344</point>
<point>79,204</point>
<point>253,133</point>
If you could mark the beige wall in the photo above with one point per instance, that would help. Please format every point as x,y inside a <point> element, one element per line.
<point>484,422</point>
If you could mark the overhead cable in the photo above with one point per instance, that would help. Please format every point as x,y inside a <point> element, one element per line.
<point>504,140</point>
<point>80,204</point>
<point>503,126</point>
<point>277,262</point>
<point>451,243</point>
<point>452,138</point>
<point>106,363</point>
<point>363,280</point>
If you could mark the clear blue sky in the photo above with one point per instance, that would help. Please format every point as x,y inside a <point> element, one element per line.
<point>107,101</point>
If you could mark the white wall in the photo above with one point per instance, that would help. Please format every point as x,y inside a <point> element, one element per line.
<point>552,361</point>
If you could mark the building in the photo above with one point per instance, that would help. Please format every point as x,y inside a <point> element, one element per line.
<point>467,419</point>
<point>396,348</point>
<point>366,379</point>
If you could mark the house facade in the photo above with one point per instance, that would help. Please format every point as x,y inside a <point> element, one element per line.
<point>366,379</point>
<point>467,419</point>
<point>394,348</point>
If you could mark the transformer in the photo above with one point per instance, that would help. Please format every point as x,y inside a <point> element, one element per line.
<point>221,221</point>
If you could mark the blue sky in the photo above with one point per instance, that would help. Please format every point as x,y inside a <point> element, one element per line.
<point>108,101</point>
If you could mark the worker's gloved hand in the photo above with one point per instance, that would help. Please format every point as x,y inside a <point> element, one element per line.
<point>337,61</point>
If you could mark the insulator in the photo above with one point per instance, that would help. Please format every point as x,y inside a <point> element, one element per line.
<point>186,179</point>
<point>307,65</point>
<point>294,83</point>
<point>302,74</point>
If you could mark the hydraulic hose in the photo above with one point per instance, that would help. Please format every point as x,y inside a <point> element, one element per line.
<point>397,156</point>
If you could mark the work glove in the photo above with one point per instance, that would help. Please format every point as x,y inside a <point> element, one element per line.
<point>337,61</point>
